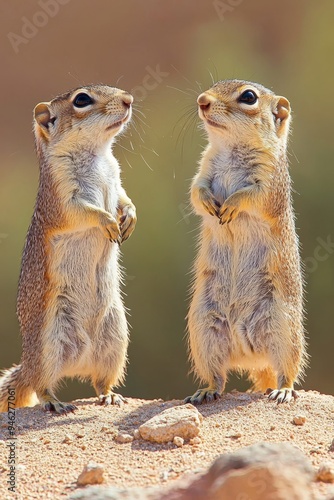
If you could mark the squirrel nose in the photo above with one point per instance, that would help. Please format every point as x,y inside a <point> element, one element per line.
<point>204,100</point>
<point>127,99</point>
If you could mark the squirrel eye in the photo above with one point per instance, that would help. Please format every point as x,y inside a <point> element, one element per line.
<point>82,100</point>
<point>248,97</point>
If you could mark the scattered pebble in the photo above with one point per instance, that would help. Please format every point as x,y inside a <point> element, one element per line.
<point>68,439</point>
<point>178,441</point>
<point>331,448</point>
<point>326,473</point>
<point>164,476</point>
<point>195,441</point>
<point>136,434</point>
<point>299,420</point>
<point>92,474</point>
<point>235,436</point>
<point>124,438</point>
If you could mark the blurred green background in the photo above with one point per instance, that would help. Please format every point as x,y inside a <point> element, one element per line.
<point>165,53</point>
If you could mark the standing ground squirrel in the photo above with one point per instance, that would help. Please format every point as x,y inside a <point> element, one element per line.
<point>246,312</point>
<point>69,303</point>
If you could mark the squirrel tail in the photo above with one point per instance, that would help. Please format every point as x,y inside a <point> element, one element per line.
<point>15,392</point>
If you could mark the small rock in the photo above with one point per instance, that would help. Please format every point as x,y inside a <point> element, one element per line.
<point>326,473</point>
<point>46,441</point>
<point>178,441</point>
<point>299,420</point>
<point>331,448</point>
<point>182,421</point>
<point>272,428</point>
<point>92,474</point>
<point>68,439</point>
<point>80,435</point>
<point>195,441</point>
<point>136,434</point>
<point>124,438</point>
<point>104,428</point>
<point>164,476</point>
<point>235,436</point>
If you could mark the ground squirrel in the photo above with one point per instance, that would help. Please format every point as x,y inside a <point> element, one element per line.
<point>246,312</point>
<point>69,305</point>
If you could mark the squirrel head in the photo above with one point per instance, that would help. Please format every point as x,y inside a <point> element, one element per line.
<point>246,112</point>
<point>92,114</point>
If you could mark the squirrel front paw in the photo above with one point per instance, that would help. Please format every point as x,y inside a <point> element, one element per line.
<point>207,200</point>
<point>228,211</point>
<point>110,227</point>
<point>127,222</point>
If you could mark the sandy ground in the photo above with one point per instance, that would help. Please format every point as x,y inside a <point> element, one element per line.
<point>47,467</point>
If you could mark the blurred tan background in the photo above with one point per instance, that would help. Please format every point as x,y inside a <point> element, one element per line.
<point>166,52</point>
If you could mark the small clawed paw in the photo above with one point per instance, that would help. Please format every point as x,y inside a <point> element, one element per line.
<point>282,395</point>
<point>227,214</point>
<point>203,396</point>
<point>112,399</point>
<point>58,407</point>
<point>128,222</point>
<point>211,207</point>
<point>111,229</point>
<point>210,204</point>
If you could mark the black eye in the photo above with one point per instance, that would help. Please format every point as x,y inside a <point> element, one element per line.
<point>248,97</point>
<point>82,100</point>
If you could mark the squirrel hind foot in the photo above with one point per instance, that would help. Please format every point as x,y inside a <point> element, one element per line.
<point>58,407</point>
<point>284,395</point>
<point>50,403</point>
<point>206,395</point>
<point>112,399</point>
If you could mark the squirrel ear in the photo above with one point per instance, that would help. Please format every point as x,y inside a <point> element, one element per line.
<point>43,118</point>
<point>282,110</point>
